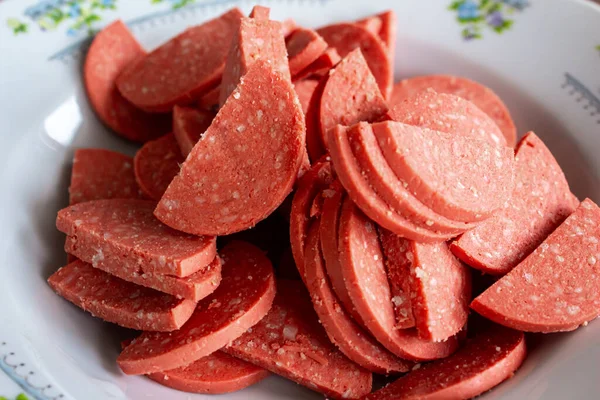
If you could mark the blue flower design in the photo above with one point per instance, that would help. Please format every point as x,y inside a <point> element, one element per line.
<point>108,3</point>
<point>475,16</point>
<point>71,32</point>
<point>468,10</point>
<point>74,11</point>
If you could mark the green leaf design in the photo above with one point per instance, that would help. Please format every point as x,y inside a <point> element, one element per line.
<point>91,19</point>
<point>182,3</point>
<point>494,8</point>
<point>505,25</point>
<point>56,15</point>
<point>464,21</point>
<point>21,396</point>
<point>598,47</point>
<point>453,6</point>
<point>17,28</point>
<point>490,13</point>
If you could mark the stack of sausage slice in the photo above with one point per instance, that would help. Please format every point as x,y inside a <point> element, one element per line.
<point>393,196</point>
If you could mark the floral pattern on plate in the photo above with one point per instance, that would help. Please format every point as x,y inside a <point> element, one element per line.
<point>80,16</point>
<point>477,16</point>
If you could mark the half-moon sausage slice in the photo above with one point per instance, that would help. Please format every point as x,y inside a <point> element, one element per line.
<point>245,164</point>
<point>556,287</point>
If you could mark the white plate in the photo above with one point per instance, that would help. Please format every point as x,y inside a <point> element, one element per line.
<point>546,67</point>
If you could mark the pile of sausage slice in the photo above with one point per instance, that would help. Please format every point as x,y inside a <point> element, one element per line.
<point>293,211</point>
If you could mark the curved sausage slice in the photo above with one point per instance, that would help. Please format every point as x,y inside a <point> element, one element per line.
<point>440,290</point>
<point>329,227</point>
<point>124,232</point>
<point>349,173</point>
<point>447,113</point>
<point>216,373</point>
<point>484,362</point>
<point>260,12</point>
<point>368,287</point>
<point>254,39</point>
<point>312,183</point>
<point>193,287</point>
<point>483,97</point>
<point>210,100</point>
<point>321,66</point>
<point>384,26</point>
<point>245,164</point>
<point>188,126</point>
<point>156,164</point>
<point>303,47</point>
<point>346,37</point>
<point>350,338</point>
<point>182,69</point>
<point>556,287</point>
<point>395,252</point>
<point>102,174</point>
<point>458,177</point>
<point>114,50</point>
<point>290,342</point>
<point>305,89</point>
<point>120,302</point>
<point>315,146</point>
<point>386,184</point>
<point>242,299</point>
<point>540,201</point>
<point>350,95</point>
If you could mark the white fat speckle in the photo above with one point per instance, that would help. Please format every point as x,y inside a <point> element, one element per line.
<point>591,260</point>
<point>420,273</point>
<point>171,204</point>
<point>78,222</point>
<point>98,257</point>
<point>560,259</point>
<point>397,300</point>
<point>572,310</point>
<point>290,332</point>
<point>528,277</point>
<point>236,95</point>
